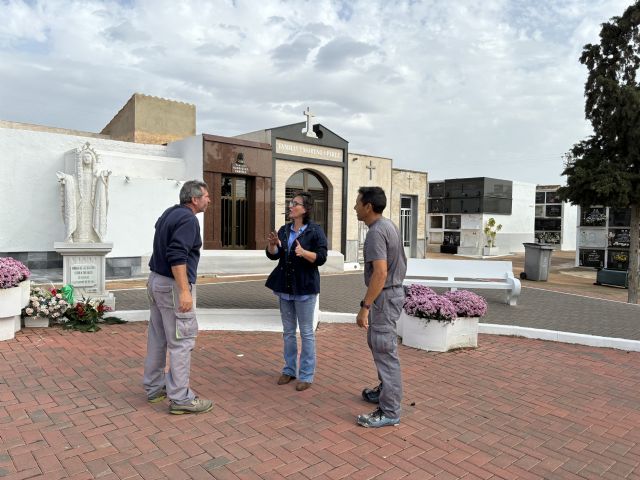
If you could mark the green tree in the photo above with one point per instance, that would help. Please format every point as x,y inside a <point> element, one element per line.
<point>604,169</point>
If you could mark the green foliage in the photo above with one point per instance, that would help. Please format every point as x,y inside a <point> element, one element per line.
<point>604,169</point>
<point>491,229</point>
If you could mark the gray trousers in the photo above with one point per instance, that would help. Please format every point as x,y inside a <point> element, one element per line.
<point>172,331</point>
<point>383,342</point>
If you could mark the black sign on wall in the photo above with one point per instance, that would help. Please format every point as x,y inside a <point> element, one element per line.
<point>591,258</point>
<point>436,190</point>
<point>554,211</point>
<point>550,224</point>
<point>619,217</point>
<point>436,205</point>
<point>552,197</point>
<point>452,222</point>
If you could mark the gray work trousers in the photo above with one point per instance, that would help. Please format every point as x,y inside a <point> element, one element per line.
<point>383,342</point>
<point>172,331</point>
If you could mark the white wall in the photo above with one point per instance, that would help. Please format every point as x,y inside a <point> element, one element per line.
<point>31,219</point>
<point>569,226</point>
<point>518,227</point>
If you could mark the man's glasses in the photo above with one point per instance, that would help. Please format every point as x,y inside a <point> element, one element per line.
<point>293,203</point>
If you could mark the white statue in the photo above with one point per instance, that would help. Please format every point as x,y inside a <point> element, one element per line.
<point>85,198</point>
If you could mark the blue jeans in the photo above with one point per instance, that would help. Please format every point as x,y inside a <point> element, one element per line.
<point>294,313</point>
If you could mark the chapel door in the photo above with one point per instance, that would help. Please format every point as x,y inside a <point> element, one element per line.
<point>307,181</point>
<point>234,210</point>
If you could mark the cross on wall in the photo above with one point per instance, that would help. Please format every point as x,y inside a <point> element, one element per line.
<point>371,169</point>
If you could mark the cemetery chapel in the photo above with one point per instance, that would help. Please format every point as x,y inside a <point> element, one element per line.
<point>151,147</point>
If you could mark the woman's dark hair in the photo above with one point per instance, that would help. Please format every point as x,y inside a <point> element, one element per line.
<point>307,203</point>
<point>375,196</point>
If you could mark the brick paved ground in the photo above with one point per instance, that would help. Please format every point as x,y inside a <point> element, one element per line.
<point>71,406</point>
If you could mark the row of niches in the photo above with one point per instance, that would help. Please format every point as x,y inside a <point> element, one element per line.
<point>493,205</point>
<point>603,216</point>
<point>600,258</point>
<point>451,222</point>
<point>471,187</point>
<point>547,197</point>
<point>612,238</point>
<point>549,210</point>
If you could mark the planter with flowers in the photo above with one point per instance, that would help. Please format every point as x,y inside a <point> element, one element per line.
<point>430,321</point>
<point>45,307</point>
<point>12,272</point>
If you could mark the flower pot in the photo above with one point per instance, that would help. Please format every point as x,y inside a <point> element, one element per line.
<point>488,251</point>
<point>25,285</point>
<point>36,322</point>
<point>439,336</point>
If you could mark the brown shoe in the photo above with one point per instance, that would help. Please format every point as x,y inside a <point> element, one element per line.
<point>300,386</point>
<point>284,379</point>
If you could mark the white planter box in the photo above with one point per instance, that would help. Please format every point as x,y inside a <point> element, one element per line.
<point>439,336</point>
<point>10,301</point>
<point>36,322</point>
<point>25,285</point>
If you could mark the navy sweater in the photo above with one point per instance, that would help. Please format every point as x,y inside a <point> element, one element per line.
<point>295,275</point>
<point>176,242</point>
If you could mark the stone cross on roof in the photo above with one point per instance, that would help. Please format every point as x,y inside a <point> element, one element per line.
<point>309,115</point>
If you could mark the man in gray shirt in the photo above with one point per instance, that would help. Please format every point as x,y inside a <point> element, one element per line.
<point>385,266</point>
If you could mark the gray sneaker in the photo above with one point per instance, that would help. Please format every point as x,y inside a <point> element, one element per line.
<point>158,396</point>
<point>197,405</point>
<point>376,419</point>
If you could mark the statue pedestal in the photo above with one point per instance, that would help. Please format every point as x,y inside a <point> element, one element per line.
<point>83,266</point>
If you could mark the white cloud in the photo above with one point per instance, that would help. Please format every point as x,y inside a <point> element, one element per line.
<point>456,88</point>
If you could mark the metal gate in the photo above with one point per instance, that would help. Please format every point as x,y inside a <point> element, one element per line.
<point>406,223</point>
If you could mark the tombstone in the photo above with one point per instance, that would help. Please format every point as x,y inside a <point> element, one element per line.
<point>84,195</point>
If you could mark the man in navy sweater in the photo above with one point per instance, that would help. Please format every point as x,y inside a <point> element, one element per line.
<point>172,299</point>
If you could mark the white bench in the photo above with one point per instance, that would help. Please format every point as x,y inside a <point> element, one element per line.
<point>454,274</point>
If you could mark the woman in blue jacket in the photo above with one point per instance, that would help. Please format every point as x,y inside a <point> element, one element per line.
<point>300,248</point>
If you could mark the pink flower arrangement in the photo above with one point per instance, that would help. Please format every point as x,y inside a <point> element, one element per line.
<point>468,304</point>
<point>12,272</point>
<point>422,302</point>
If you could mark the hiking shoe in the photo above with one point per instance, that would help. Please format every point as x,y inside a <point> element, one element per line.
<point>284,379</point>
<point>157,396</point>
<point>197,405</point>
<point>301,386</point>
<point>376,419</point>
<point>372,395</point>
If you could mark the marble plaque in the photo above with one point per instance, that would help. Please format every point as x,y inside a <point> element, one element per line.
<point>592,238</point>
<point>84,275</point>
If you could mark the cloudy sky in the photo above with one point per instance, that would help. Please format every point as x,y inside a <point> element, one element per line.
<point>454,87</point>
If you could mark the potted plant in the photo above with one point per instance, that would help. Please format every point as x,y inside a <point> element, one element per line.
<point>12,272</point>
<point>440,322</point>
<point>44,307</point>
<point>491,229</point>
